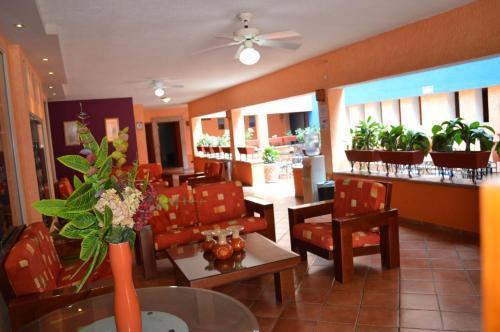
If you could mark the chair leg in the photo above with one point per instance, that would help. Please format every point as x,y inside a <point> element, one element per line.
<point>302,252</point>
<point>343,253</point>
<point>389,244</point>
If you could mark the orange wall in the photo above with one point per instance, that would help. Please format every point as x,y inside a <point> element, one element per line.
<point>211,128</point>
<point>278,124</point>
<point>462,34</point>
<point>27,96</point>
<point>448,205</point>
<point>146,115</point>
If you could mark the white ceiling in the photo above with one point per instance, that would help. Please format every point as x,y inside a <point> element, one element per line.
<point>105,44</point>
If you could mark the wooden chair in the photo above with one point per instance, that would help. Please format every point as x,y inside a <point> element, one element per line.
<point>363,223</point>
<point>212,173</point>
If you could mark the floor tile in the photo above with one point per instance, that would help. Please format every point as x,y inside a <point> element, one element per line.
<point>367,328</point>
<point>333,327</point>
<point>381,300</point>
<point>461,321</point>
<point>417,286</point>
<point>459,303</point>
<point>266,324</point>
<point>382,285</point>
<point>419,301</point>
<point>339,314</point>
<point>315,295</point>
<point>416,274</point>
<point>293,325</point>
<point>420,319</point>
<point>302,311</point>
<point>440,275</point>
<point>415,263</point>
<point>344,298</point>
<point>454,287</point>
<point>445,263</point>
<point>267,309</point>
<point>378,317</point>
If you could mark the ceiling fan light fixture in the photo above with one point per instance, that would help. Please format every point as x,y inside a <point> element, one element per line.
<point>249,56</point>
<point>159,92</point>
<point>166,100</point>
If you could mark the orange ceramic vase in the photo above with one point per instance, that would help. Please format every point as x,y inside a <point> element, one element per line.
<point>127,309</point>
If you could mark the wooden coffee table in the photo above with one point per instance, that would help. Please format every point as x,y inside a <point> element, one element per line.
<point>261,256</point>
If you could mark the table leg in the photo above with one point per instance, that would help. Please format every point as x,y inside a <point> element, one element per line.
<point>283,284</point>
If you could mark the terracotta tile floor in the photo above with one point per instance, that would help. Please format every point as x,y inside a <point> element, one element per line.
<point>436,289</point>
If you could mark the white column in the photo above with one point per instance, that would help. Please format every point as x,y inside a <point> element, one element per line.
<point>197,133</point>
<point>339,124</point>
<point>262,130</point>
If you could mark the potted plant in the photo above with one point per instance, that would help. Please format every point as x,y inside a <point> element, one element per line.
<point>364,143</point>
<point>403,147</point>
<point>271,168</point>
<point>457,131</point>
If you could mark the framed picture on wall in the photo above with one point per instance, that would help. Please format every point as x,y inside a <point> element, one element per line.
<point>71,133</point>
<point>112,128</point>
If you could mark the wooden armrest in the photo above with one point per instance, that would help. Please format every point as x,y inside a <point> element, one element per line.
<point>145,252</point>
<point>265,210</point>
<point>367,220</point>
<point>297,214</point>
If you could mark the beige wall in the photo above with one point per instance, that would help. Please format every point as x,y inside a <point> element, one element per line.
<point>494,106</point>
<point>462,34</point>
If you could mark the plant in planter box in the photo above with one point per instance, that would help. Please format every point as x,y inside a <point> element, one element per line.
<point>364,142</point>
<point>271,170</point>
<point>457,131</point>
<point>403,147</point>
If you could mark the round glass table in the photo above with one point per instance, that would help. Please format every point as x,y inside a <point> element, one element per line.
<point>170,309</point>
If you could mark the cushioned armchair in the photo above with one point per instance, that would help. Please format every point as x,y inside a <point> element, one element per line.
<point>362,223</point>
<point>33,281</point>
<point>212,173</point>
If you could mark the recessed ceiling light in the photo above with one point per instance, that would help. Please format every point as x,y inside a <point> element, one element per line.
<point>54,94</point>
<point>51,73</point>
<point>51,87</point>
<point>45,59</point>
<point>159,92</point>
<point>19,25</point>
<point>166,99</point>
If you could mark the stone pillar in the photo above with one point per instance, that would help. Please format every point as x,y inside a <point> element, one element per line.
<point>236,130</point>
<point>262,130</point>
<point>326,130</point>
<point>196,132</point>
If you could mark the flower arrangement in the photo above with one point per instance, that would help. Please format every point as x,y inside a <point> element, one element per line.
<point>106,206</point>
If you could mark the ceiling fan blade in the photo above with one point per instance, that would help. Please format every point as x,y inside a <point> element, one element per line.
<point>279,35</point>
<point>175,86</point>
<point>224,36</point>
<point>217,47</point>
<point>237,54</point>
<point>277,44</point>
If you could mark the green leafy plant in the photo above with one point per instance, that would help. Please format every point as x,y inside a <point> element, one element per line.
<point>457,131</point>
<point>249,134</point>
<point>300,132</point>
<point>270,155</point>
<point>104,208</point>
<point>398,138</point>
<point>365,135</point>
<point>289,133</point>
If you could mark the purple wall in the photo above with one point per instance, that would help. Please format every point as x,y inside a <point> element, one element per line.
<point>97,110</point>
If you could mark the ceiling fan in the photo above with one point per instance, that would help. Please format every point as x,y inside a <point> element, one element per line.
<point>159,87</point>
<point>246,38</point>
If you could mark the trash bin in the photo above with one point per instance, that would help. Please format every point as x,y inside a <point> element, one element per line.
<point>326,190</point>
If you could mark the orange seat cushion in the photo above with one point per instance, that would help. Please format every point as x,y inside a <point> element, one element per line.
<point>219,202</point>
<point>320,235</point>
<point>181,236</point>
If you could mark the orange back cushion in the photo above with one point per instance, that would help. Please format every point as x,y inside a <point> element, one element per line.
<point>358,196</point>
<point>26,270</point>
<point>154,170</point>
<point>64,188</point>
<point>220,201</point>
<point>181,209</point>
<point>213,169</point>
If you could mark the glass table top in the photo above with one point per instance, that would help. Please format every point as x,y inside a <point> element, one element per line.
<point>196,264</point>
<point>200,309</point>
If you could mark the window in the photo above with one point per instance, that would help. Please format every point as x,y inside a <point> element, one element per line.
<point>251,121</point>
<point>221,123</point>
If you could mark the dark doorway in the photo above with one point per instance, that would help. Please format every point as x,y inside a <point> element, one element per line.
<point>298,120</point>
<point>150,143</point>
<point>169,134</point>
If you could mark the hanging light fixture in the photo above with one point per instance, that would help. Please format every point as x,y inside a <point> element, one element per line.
<point>159,92</point>
<point>166,99</point>
<point>249,56</point>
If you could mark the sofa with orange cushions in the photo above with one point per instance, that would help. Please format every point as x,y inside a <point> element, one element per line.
<point>34,282</point>
<point>191,211</point>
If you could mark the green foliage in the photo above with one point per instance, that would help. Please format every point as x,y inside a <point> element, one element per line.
<point>270,155</point>
<point>84,221</point>
<point>249,134</point>
<point>365,134</point>
<point>444,136</point>
<point>289,133</point>
<point>300,132</point>
<point>399,138</point>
